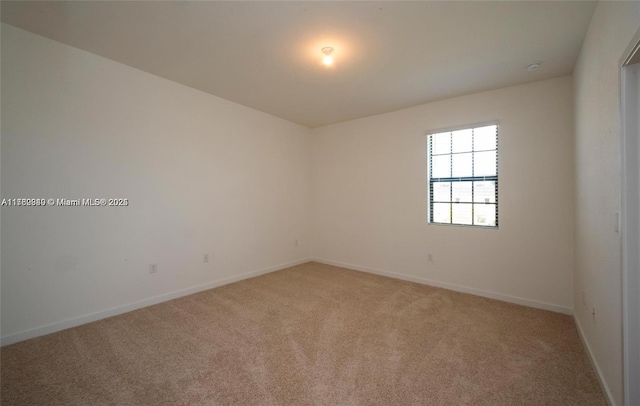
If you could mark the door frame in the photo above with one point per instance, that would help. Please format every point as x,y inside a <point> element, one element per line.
<point>630,217</point>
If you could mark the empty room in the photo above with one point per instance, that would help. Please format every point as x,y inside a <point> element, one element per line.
<point>320,203</point>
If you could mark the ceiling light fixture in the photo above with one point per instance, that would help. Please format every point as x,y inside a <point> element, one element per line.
<point>328,59</point>
<point>533,66</point>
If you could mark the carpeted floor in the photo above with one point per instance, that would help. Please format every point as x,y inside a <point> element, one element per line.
<point>309,335</point>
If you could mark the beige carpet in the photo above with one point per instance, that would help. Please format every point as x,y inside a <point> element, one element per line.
<point>309,335</point>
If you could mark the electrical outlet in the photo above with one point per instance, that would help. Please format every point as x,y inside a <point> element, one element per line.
<point>593,313</point>
<point>153,268</point>
<point>205,258</point>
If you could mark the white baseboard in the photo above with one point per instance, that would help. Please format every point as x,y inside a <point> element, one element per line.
<point>76,321</point>
<point>458,288</point>
<point>594,363</point>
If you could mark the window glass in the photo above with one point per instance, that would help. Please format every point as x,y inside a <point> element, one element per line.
<point>463,176</point>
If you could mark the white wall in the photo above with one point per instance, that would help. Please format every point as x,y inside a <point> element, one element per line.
<point>370,197</point>
<point>202,175</point>
<point>598,261</point>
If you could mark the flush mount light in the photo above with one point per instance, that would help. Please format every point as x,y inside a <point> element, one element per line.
<point>328,59</point>
<point>533,66</point>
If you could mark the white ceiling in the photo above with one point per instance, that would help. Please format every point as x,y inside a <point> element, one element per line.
<point>266,55</point>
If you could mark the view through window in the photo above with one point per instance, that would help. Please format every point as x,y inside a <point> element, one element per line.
<point>463,177</point>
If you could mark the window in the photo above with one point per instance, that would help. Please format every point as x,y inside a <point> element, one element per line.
<point>463,177</point>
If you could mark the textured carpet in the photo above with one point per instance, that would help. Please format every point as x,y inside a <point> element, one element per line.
<point>309,335</point>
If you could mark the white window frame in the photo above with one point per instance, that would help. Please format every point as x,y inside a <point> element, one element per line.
<point>458,179</point>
